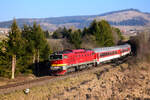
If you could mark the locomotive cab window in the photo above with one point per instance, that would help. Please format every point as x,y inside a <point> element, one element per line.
<point>55,57</point>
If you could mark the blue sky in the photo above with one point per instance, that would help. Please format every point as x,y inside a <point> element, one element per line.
<point>10,9</point>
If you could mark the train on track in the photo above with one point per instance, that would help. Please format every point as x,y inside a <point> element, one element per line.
<point>72,60</point>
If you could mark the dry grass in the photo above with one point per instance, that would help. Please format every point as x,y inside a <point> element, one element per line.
<point>122,82</point>
<point>48,90</point>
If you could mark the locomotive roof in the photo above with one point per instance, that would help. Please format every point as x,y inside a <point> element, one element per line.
<point>73,51</point>
<point>110,48</point>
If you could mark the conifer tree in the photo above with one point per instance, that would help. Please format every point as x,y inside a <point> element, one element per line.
<point>84,32</point>
<point>46,33</point>
<point>28,35</point>
<point>39,40</point>
<point>15,45</point>
<point>4,60</point>
<point>65,33</point>
<point>75,38</point>
<point>40,43</point>
<point>106,34</point>
<point>92,27</point>
<point>97,32</point>
<point>102,32</point>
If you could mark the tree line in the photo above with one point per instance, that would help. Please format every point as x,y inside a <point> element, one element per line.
<point>22,49</point>
<point>100,32</point>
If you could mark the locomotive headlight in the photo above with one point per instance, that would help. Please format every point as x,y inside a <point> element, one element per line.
<point>58,67</point>
<point>55,67</point>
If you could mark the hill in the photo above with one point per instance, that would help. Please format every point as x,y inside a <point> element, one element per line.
<point>127,17</point>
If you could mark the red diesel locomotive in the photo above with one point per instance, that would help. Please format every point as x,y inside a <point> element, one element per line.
<point>72,60</point>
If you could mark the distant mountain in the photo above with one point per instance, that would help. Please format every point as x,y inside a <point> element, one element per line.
<point>127,17</point>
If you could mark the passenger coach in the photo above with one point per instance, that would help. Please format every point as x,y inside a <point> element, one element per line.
<point>109,53</point>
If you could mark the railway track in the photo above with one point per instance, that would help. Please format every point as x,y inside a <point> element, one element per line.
<point>47,79</point>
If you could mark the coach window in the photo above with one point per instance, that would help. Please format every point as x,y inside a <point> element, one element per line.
<point>101,55</point>
<point>104,54</point>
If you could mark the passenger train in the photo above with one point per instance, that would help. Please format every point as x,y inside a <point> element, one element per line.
<point>73,60</point>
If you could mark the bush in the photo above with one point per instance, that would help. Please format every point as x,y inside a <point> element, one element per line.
<point>140,46</point>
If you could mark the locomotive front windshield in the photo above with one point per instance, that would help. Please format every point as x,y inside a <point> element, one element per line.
<point>55,57</point>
